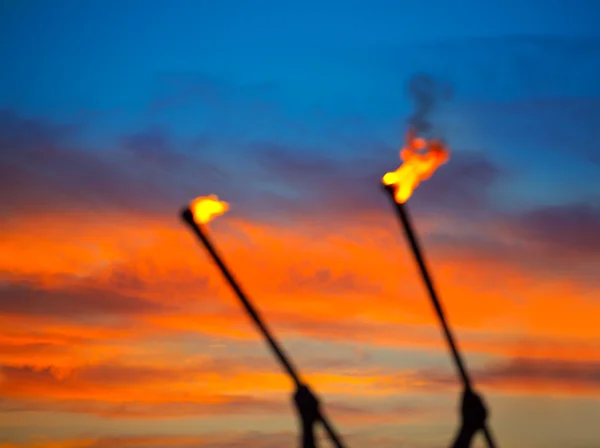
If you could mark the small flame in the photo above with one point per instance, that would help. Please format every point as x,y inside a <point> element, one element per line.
<point>421,159</point>
<point>205,208</point>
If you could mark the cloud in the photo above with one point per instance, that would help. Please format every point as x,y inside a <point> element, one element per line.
<point>231,439</point>
<point>394,412</point>
<point>358,284</point>
<point>226,407</point>
<point>42,171</point>
<point>153,147</point>
<point>210,389</point>
<point>101,385</point>
<point>308,179</point>
<point>568,230</point>
<point>37,173</point>
<point>351,186</point>
<point>569,374</point>
<point>251,439</point>
<point>46,173</point>
<point>546,242</point>
<point>203,390</point>
<point>326,282</point>
<point>342,277</point>
<point>230,407</point>
<point>27,299</point>
<point>529,375</point>
<point>463,185</point>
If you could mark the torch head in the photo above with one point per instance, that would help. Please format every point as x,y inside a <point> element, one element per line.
<point>417,166</point>
<point>388,188</point>
<point>203,209</point>
<point>187,215</point>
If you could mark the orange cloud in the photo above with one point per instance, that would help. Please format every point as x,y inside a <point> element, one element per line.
<point>231,439</point>
<point>352,278</point>
<point>86,294</point>
<point>236,386</point>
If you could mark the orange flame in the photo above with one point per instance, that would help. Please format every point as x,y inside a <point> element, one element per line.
<point>205,208</point>
<point>421,159</point>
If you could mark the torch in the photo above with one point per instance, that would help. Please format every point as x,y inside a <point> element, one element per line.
<point>197,216</point>
<point>421,159</point>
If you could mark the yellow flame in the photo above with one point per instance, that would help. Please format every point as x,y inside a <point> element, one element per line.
<point>421,159</point>
<point>205,208</point>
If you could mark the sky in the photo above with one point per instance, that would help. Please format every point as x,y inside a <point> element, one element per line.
<point>116,330</point>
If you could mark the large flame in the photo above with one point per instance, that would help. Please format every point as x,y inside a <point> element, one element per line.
<point>421,158</point>
<point>205,208</point>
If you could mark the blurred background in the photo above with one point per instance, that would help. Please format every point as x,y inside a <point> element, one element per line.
<point>117,331</point>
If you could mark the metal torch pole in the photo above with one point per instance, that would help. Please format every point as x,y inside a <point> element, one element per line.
<point>188,217</point>
<point>418,254</point>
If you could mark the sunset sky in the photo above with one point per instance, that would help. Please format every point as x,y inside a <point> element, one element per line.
<point>117,331</point>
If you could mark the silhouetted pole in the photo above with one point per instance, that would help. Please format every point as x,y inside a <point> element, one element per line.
<point>416,250</point>
<point>188,217</point>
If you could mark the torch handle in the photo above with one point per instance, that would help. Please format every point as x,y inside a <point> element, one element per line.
<point>189,219</point>
<point>416,249</point>
<point>333,435</point>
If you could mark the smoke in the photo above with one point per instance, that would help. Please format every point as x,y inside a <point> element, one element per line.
<point>425,92</point>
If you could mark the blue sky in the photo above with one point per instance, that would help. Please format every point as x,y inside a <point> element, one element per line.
<point>299,72</point>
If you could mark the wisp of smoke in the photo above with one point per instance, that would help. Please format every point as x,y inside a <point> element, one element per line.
<point>425,92</point>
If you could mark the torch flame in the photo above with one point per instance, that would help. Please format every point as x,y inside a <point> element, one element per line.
<point>205,208</point>
<point>421,159</point>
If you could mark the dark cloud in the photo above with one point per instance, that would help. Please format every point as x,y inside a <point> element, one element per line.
<point>135,409</point>
<point>567,373</point>
<point>37,170</point>
<point>154,147</point>
<point>294,164</point>
<point>558,374</point>
<point>571,229</point>
<point>554,242</point>
<point>463,184</point>
<point>41,170</point>
<point>324,281</point>
<point>352,186</point>
<point>121,374</point>
<point>230,439</point>
<point>29,299</point>
<point>391,411</point>
<point>306,182</point>
<point>110,375</point>
<point>359,330</point>
<point>113,378</point>
<point>20,388</point>
<point>130,277</point>
<point>225,406</point>
<point>335,364</point>
<point>27,350</point>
